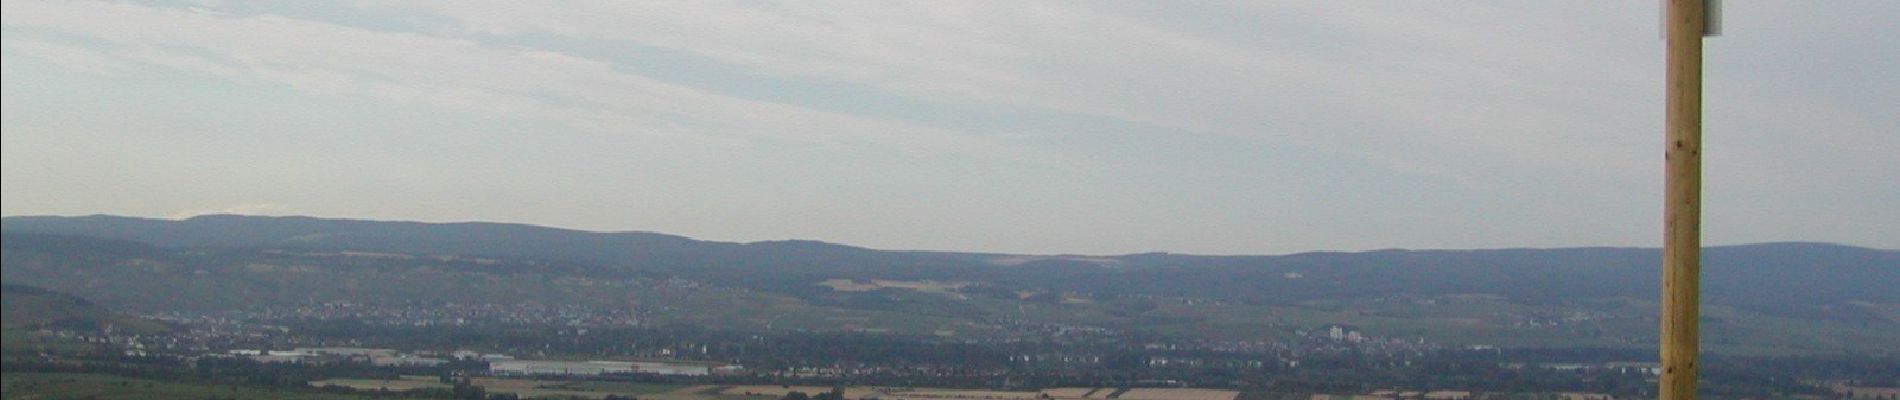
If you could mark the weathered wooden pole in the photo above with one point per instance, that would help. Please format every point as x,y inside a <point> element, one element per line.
<point>1684,24</point>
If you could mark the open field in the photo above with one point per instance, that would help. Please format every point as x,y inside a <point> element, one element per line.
<point>106,387</point>
<point>1179,394</point>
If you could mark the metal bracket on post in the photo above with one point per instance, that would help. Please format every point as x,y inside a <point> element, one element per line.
<point>1711,18</point>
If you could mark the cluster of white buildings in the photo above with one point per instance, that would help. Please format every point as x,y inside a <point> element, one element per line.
<point>1346,333</point>
<point>378,357</point>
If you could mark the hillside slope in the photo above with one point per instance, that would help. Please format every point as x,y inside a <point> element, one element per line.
<point>27,307</point>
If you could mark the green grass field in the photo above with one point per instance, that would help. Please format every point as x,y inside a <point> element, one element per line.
<point>23,386</point>
<point>20,342</point>
<point>624,388</point>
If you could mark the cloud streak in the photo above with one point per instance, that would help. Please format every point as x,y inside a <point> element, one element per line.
<point>1479,82</point>
<point>453,73</point>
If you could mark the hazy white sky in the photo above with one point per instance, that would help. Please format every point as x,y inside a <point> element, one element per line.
<point>1038,127</point>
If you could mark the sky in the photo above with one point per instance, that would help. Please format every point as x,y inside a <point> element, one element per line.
<point>1100,127</point>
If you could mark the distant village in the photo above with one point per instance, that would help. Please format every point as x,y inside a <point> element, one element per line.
<point>1184,355</point>
<point>498,364</point>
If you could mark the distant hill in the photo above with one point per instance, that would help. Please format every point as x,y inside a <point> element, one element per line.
<point>473,238</point>
<point>221,261</point>
<point>1768,276</point>
<point>1780,278</point>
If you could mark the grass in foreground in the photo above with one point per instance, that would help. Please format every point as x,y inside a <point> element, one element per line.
<point>24,386</point>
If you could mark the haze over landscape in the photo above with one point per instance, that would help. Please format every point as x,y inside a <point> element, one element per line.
<point>1105,200</point>
<point>1092,128</point>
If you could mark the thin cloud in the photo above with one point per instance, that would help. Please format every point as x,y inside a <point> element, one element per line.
<point>1075,58</point>
<point>448,72</point>
<point>241,209</point>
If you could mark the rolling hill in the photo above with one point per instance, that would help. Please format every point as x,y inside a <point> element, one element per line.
<point>1839,293</point>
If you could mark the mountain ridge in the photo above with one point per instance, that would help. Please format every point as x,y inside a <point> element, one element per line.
<point>93,224</point>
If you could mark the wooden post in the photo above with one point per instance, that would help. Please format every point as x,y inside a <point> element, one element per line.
<point>1684,24</point>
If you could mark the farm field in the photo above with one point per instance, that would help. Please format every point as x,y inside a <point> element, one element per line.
<point>698,392</point>
<point>1179,394</point>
